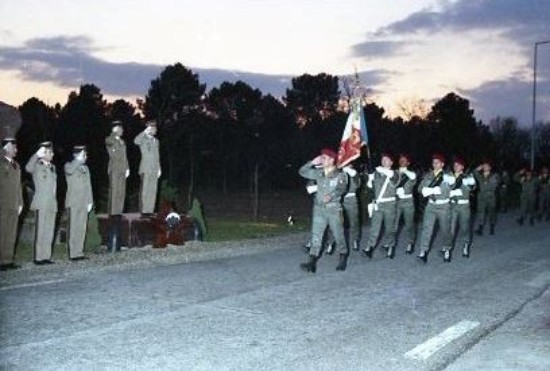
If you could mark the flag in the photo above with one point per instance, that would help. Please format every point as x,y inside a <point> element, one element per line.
<point>354,136</point>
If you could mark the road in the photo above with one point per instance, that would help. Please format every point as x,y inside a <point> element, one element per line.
<point>260,312</point>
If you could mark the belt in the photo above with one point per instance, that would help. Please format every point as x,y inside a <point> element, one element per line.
<point>461,202</point>
<point>405,197</point>
<point>349,195</point>
<point>385,199</point>
<point>439,202</point>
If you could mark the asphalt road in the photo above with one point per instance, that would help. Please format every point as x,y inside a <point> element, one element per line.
<point>260,312</point>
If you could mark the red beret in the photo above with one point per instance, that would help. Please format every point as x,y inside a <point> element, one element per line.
<point>460,160</point>
<point>438,156</point>
<point>330,153</point>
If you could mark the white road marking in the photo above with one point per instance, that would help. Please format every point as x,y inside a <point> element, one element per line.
<point>31,284</point>
<point>428,348</point>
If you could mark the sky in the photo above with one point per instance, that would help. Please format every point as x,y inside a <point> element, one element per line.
<point>405,50</point>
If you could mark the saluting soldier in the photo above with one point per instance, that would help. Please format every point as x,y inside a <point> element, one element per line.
<point>544,194</point>
<point>528,195</point>
<point>149,167</point>
<point>351,207</point>
<point>436,187</point>
<point>405,202</point>
<point>384,180</point>
<point>79,201</point>
<point>331,186</point>
<point>460,208</point>
<point>11,203</point>
<point>44,201</point>
<point>118,169</point>
<point>488,183</point>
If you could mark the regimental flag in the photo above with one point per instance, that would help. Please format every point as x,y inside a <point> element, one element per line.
<point>355,135</point>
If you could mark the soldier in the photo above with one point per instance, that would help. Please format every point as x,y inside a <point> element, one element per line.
<point>405,202</point>
<point>79,201</point>
<point>384,180</point>
<point>544,194</point>
<point>487,184</point>
<point>149,167</point>
<point>528,195</point>
<point>118,169</point>
<point>11,203</point>
<point>351,207</point>
<point>44,201</point>
<point>460,207</point>
<point>504,192</point>
<point>436,187</point>
<point>331,186</point>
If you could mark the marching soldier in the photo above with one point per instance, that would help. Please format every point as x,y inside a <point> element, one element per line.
<point>79,201</point>
<point>528,195</point>
<point>544,194</point>
<point>436,187</point>
<point>487,183</point>
<point>351,207</point>
<point>384,180</point>
<point>118,169</point>
<point>44,201</point>
<point>460,207</point>
<point>11,203</point>
<point>331,186</point>
<point>405,202</point>
<point>149,167</point>
<point>504,192</point>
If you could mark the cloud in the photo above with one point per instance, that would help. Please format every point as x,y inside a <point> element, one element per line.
<point>69,62</point>
<point>378,48</point>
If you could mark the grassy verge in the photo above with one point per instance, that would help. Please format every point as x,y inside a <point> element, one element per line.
<point>24,252</point>
<point>230,230</point>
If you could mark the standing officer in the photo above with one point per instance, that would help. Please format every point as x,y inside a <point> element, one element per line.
<point>149,167</point>
<point>460,208</point>
<point>544,194</point>
<point>44,201</point>
<point>405,202</point>
<point>351,207</point>
<point>528,195</point>
<point>436,187</point>
<point>488,184</point>
<point>118,169</point>
<point>384,181</point>
<point>331,186</point>
<point>79,201</point>
<point>11,203</point>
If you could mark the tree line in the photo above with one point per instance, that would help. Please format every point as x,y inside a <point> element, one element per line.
<point>234,137</point>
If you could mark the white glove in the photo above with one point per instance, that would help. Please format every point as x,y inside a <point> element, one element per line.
<point>427,191</point>
<point>350,171</point>
<point>469,181</point>
<point>410,174</point>
<point>449,179</point>
<point>311,189</point>
<point>159,174</point>
<point>436,191</point>
<point>456,193</point>
<point>370,179</point>
<point>127,174</point>
<point>386,172</point>
<point>90,207</point>
<point>41,152</point>
<point>400,192</point>
<point>19,210</point>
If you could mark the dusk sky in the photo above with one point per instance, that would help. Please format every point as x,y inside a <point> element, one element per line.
<point>404,49</point>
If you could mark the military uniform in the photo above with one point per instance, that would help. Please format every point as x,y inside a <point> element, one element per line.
<point>351,209</point>
<point>149,170</point>
<point>504,192</point>
<point>79,202</point>
<point>11,204</point>
<point>487,185</point>
<point>438,209</point>
<point>405,207</point>
<point>118,172</point>
<point>460,211</point>
<point>528,196</point>
<point>384,182</point>
<point>327,209</point>
<point>44,203</point>
<point>544,196</point>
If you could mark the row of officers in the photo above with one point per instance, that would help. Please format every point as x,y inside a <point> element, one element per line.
<point>447,197</point>
<point>79,198</point>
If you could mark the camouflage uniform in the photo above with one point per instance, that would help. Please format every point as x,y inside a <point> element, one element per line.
<point>528,197</point>
<point>11,203</point>
<point>544,196</point>
<point>405,207</point>
<point>460,211</point>
<point>486,200</point>
<point>351,211</point>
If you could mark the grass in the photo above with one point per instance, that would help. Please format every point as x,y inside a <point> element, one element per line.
<point>230,230</point>
<point>24,252</point>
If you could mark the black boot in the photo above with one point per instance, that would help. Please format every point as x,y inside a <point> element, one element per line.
<point>391,252</point>
<point>492,230</point>
<point>410,249</point>
<point>368,252</point>
<point>423,256</point>
<point>311,265</point>
<point>466,250</point>
<point>342,262</point>
<point>479,230</point>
